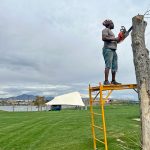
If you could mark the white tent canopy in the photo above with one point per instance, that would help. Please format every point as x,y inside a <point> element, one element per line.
<point>73,98</point>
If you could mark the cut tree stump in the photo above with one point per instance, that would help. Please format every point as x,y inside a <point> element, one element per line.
<point>142,70</point>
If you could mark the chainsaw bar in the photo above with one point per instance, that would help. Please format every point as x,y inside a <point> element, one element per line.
<point>130,29</point>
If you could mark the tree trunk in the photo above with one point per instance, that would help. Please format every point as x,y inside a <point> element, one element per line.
<point>142,69</point>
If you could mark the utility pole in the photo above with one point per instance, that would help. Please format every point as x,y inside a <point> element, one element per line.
<point>142,70</point>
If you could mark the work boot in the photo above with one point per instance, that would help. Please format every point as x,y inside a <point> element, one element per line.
<point>115,82</point>
<point>106,82</point>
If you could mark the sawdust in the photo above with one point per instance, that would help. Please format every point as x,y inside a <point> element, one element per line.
<point>118,140</point>
<point>137,119</point>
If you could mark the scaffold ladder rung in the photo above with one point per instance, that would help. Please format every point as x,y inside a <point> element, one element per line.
<point>95,100</point>
<point>97,114</point>
<point>97,127</point>
<point>104,99</point>
<point>99,141</point>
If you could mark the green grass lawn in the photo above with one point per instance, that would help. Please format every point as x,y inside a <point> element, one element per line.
<point>69,129</point>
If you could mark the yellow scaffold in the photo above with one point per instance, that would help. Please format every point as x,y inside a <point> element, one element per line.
<point>101,101</point>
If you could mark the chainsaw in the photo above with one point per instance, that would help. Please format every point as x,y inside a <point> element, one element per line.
<point>123,33</point>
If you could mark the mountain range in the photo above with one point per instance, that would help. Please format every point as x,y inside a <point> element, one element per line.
<point>25,97</point>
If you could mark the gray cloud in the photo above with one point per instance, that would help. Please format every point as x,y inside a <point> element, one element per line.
<point>49,42</point>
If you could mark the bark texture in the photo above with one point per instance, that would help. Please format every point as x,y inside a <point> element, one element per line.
<point>142,69</point>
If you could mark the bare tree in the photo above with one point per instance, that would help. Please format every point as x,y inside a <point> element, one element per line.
<point>39,102</point>
<point>142,69</point>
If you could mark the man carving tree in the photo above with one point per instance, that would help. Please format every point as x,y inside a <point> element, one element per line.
<point>109,51</point>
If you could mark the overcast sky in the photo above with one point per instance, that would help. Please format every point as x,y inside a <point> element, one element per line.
<point>52,47</point>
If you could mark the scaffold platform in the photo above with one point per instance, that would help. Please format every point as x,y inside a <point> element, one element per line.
<point>101,100</point>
